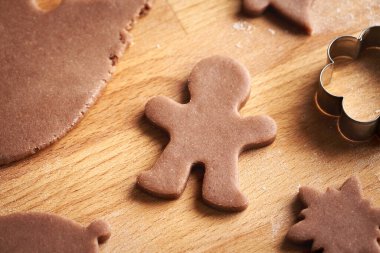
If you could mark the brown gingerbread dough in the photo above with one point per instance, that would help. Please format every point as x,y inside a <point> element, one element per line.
<point>207,130</point>
<point>321,16</point>
<point>338,220</point>
<point>53,66</point>
<point>47,233</point>
<point>296,10</point>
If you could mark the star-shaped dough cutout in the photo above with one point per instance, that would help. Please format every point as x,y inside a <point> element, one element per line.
<point>338,220</point>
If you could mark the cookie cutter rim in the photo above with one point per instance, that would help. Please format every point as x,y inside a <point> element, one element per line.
<point>348,47</point>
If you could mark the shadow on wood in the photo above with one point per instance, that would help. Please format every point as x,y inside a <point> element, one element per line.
<point>296,206</point>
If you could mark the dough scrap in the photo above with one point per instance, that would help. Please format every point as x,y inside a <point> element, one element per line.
<point>296,10</point>
<point>54,65</point>
<point>338,220</point>
<point>207,130</point>
<point>46,233</point>
<point>321,16</point>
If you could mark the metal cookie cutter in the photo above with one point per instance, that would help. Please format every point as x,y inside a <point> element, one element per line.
<point>351,47</point>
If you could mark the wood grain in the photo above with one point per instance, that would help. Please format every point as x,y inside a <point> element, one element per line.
<point>91,172</point>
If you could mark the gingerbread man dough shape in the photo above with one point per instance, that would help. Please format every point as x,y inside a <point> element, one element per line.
<point>207,130</point>
<point>296,10</point>
<point>47,233</point>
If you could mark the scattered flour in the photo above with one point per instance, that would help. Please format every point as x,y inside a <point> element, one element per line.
<point>276,223</point>
<point>273,32</point>
<point>275,228</point>
<point>239,45</point>
<point>242,26</point>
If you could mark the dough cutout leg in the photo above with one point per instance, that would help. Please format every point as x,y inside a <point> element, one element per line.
<point>168,176</point>
<point>221,187</point>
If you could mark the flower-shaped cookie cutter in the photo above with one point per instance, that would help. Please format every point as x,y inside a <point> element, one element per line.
<point>348,47</point>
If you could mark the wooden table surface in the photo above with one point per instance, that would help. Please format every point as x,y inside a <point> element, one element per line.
<point>91,173</point>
